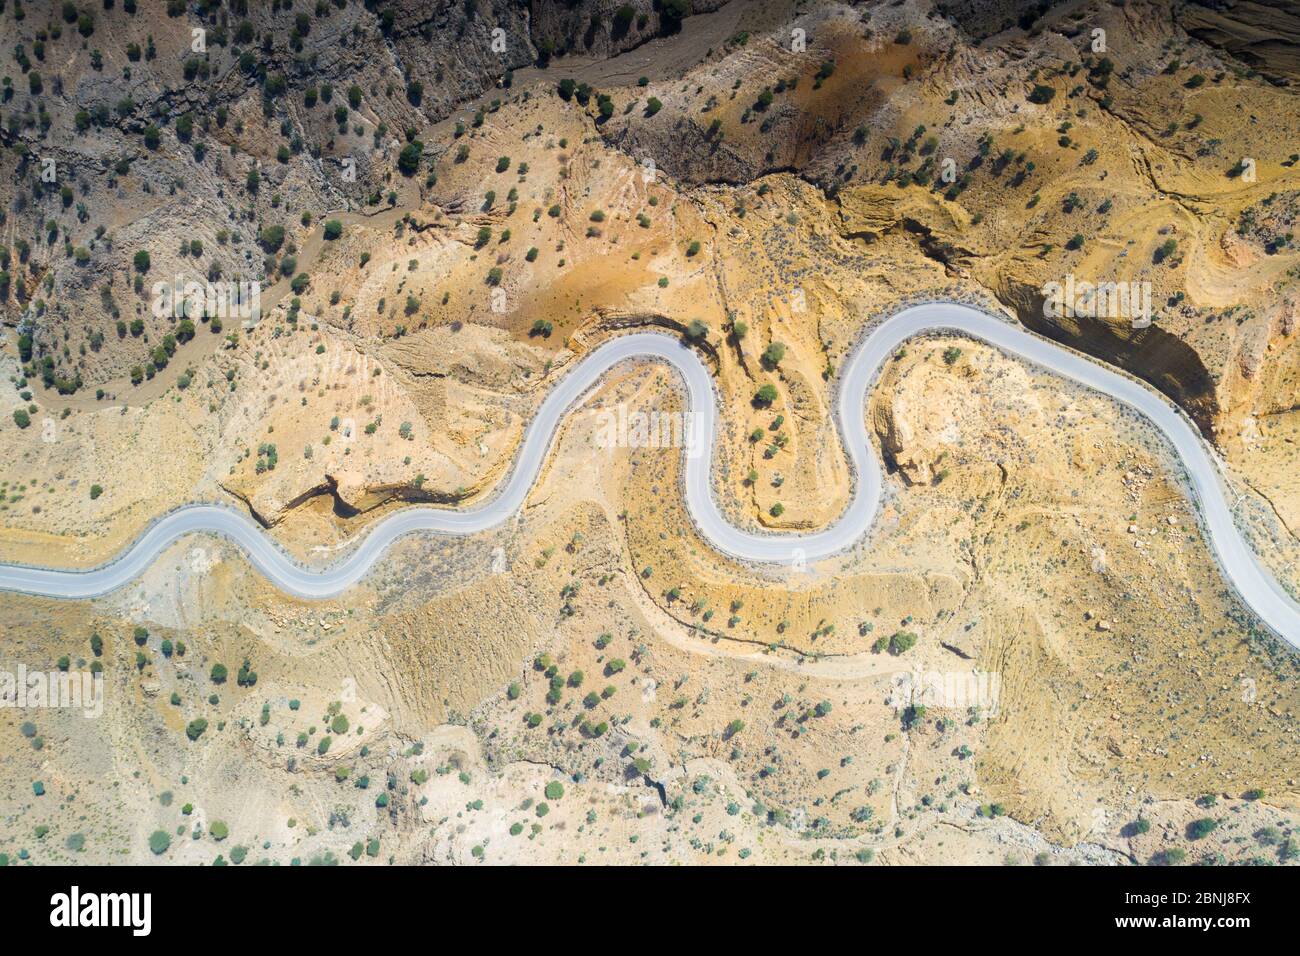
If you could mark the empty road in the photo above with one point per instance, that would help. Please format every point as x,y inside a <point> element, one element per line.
<point>1257,587</point>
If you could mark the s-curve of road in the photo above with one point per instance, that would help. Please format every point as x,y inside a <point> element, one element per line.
<point>1256,586</point>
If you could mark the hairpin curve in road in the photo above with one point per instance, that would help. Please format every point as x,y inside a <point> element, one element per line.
<point>1257,588</point>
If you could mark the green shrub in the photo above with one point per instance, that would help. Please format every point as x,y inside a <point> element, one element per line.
<point>902,642</point>
<point>271,238</point>
<point>1201,828</point>
<point>408,161</point>
<point>1041,94</point>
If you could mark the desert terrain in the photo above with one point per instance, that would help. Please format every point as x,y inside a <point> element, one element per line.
<point>445,208</point>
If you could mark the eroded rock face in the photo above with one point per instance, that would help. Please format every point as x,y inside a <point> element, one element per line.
<point>596,28</point>
<point>1290,314</point>
<point>1154,354</point>
<point>219,122</point>
<point>1263,33</point>
<point>436,418</point>
<point>934,405</point>
<point>918,426</point>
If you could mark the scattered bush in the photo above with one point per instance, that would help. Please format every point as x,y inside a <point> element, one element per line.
<point>159,842</point>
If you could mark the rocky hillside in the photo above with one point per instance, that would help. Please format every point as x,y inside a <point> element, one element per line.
<point>187,131</point>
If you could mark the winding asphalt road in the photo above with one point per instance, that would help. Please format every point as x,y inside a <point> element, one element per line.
<point>1255,586</point>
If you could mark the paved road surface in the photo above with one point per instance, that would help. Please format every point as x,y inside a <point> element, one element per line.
<point>1257,588</point>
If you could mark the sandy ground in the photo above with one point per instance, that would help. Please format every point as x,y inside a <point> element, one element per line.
<point>1031,531</point>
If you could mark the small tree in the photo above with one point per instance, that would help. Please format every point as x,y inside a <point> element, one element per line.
<point>271,238</point>
<point>1041,94</point>
<point>408,161</point>
<point>902,642</point>
<point>1201,828</point>
<point>159,842</point>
